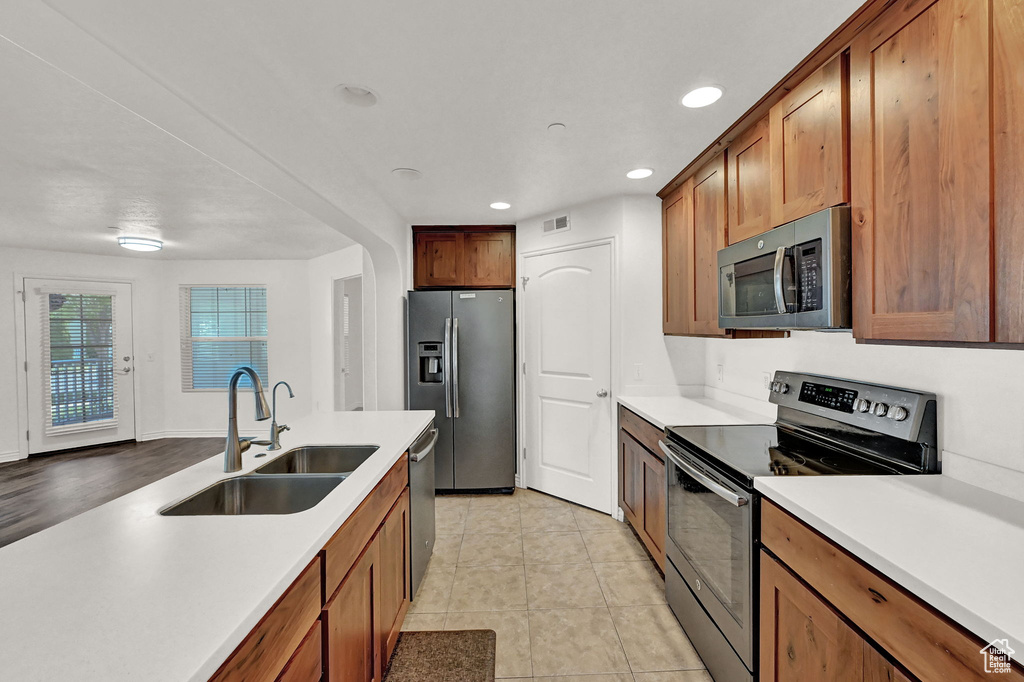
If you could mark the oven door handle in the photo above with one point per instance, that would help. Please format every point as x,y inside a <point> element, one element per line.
<point>709,483</point>
<point>780,293</point>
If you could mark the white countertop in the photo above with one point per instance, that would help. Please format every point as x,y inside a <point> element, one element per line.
<point>665,411</point>
<point>122,593</point>
<point>957,547</point>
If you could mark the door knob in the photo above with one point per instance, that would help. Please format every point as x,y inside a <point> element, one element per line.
<point>602,393</point>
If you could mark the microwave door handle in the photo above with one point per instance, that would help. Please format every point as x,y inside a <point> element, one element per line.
<point>780,294</point>
<point>712,485</point>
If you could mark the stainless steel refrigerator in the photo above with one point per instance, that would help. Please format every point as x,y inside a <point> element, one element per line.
<point>461,364</point>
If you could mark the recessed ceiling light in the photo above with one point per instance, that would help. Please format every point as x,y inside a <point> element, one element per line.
<point>701,97</point>
<point>407,173</point>
<point>140,243</point>
<point>356,95</point>
<point>556,127</point>
<point>500,205</point>
<point>640,173</point>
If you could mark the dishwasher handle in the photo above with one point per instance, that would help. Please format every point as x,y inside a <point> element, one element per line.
<point>417,455</point>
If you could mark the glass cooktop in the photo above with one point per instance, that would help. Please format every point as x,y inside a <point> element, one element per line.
<point>768,450</point>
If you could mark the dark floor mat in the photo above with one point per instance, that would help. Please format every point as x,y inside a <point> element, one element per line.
<point>453,656</point>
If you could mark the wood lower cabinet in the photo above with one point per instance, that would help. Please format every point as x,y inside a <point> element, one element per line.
<point>809,150</point>
<point>307,663</point>
<point>750,189</point>
<point>479,257</point>
<point>803,638</point>
<point>395,575</point>
<point>818,601</point>
<point>352,622</point>
<point>642,482</point>
<point>922,173</point>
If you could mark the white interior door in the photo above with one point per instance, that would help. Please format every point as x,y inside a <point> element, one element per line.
<point>78,345</point>
<point>568,413</point>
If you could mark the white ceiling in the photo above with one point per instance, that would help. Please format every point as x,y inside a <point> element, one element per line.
<point>467,89</point>
<point>76,164</point>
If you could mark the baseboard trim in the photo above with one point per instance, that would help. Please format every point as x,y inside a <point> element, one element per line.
<point>10,456</point>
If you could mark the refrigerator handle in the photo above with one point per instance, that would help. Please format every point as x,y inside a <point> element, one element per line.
<point>455,367</point>
<point>447,368</point>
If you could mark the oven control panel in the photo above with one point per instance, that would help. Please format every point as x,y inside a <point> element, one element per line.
<point>893,411</point>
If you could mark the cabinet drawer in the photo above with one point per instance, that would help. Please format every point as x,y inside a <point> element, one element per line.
<point>267,649</point>
<point>307,663</point>
<point>342,550</point>
<point>924,641</point>
<point>642,430</point>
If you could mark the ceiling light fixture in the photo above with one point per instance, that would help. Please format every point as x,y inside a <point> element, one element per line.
<point>140,243</point>
<point>640,173</point>
<point>407,173</point>
<point>500,205</point>
<point>356,95</point>
<point>701,97</point>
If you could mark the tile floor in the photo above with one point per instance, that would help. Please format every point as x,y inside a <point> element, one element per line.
<point>570,592</point>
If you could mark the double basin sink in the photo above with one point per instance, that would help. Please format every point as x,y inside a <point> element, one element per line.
<point>293,482</point>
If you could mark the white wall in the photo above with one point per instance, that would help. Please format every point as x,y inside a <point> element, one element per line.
<point>669,364</point>
<point>981,419</point>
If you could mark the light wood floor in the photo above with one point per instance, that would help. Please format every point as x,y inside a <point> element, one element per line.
<point>42,491</point>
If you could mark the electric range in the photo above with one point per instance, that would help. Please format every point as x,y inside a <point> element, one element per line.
<point>825,426</point>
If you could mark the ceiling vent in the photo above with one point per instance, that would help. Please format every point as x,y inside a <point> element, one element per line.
<point>559,224</point>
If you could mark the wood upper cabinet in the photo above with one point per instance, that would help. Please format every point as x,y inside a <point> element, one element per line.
<point>809,130</point>
<point>750,193</point>
<point>695,227</point>
<point>439,258</point>
<point>352,621</point>
<point>489,259</point>
<point>477,257</point>
<point>921,175</point>
<point>1008,159</point>
<point>803,638</point>
<point>395,575</point>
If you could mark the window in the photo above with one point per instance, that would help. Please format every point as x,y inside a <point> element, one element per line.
<point>222,329</point>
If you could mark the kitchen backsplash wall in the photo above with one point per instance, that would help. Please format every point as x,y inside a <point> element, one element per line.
<point>981,417</point>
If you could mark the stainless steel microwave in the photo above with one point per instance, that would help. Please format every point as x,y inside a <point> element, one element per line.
<point>796,276</point>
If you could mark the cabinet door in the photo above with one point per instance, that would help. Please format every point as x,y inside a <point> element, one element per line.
<point>395,574</point>
<point>1007,114</point>
<point>630,480</point>
<point>921,177</point>
<point>439,259</point>
<point>809,129</point>
<point>654,521</point>
<point>710,233</point>
<point>353,617</point>
<point>750,190</point>
<point>489,260</point>
<point>878,669</point>
<point>802,638</point>
<point>677,259</point>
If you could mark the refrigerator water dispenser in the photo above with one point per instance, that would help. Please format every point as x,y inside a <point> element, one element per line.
<point>431,363</point>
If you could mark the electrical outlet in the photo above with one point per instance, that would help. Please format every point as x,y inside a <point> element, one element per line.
<point>638,371</point>
<point>767,380</point>
<point>721,374</point>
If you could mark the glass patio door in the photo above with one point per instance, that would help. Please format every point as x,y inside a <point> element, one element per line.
<point>78,341</point>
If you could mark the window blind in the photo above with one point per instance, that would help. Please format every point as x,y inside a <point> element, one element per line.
<point>222,329</point>
<point>78,352</point>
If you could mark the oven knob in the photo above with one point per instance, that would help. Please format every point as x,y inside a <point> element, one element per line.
<point>897,413</point>
<point>775,387</point>
<point>861,405</point>
<point>783,387</point>
<point>879,409</point>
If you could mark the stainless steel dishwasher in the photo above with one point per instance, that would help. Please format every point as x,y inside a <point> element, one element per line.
<point>421,502</point>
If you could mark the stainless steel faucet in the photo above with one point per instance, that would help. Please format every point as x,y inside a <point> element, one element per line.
<point>236,446</point>
<point>275,430</point>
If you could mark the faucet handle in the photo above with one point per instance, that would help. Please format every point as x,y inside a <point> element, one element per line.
<point>244,443</point>
<point>283,427</point>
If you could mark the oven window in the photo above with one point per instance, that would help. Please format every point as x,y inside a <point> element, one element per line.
<point>714,537</point>
<point>755,286</point>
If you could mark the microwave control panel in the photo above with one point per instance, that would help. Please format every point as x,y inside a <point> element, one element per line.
<point>808,275</point>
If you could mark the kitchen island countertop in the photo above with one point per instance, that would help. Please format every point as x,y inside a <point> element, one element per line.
<point>122,593</point>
